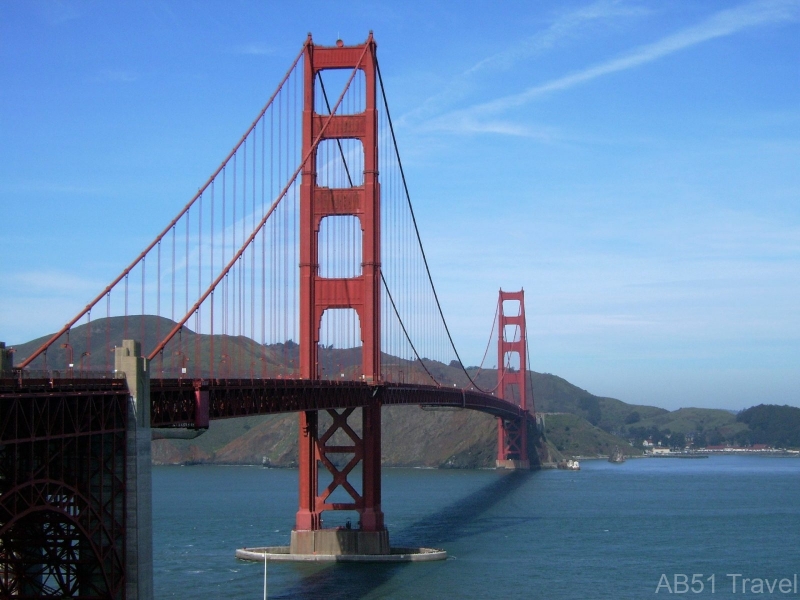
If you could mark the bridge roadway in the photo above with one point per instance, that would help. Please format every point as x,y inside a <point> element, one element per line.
<point>193,402</point>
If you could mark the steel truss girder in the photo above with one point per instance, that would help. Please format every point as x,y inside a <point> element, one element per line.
<point>174,402</point>
<point>62,488</point>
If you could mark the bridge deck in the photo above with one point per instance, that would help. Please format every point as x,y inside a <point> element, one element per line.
<point>175,402</point>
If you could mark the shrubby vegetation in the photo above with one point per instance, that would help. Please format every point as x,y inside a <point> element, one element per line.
<point>771,424</point>
<point>591,406</point>
<point>634,417</point>
<point>776,426</point>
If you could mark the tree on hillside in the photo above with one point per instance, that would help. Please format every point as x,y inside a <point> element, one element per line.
<point>591,405</point>
<point>632,418</point>
<point>772,424</point>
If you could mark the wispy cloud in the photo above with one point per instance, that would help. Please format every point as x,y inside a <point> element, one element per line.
<point>116,76</point>
<point>721,24</point>
<point>49,283</point>
<point>253,49</point>
<point>48,187</point>
<point>511,128</point>
<point>710,275</point>
<point>57,12</point>
<point>566,27</point>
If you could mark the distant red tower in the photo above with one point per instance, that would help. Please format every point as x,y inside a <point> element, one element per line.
<point>361,293</point>
<point>512,438</point>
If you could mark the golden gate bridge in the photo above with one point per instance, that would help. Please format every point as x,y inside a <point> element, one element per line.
<point>303,241</point>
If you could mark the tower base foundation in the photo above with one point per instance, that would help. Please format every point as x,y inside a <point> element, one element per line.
<point>340,541</point>
<point>523,465</point>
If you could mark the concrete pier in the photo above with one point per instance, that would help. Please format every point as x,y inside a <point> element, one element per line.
<point>340,541</point>
<point>513,464</point>
<point>5,360</point>
<point>282,554</point>
<point>139,513</point>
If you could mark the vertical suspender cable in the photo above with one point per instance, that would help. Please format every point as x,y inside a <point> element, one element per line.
<point>108,332</point>
<point>125,323</point>
<point>211,276</point>
<point>416,229</point>
<point>158,291</point>
<point>141,318</point>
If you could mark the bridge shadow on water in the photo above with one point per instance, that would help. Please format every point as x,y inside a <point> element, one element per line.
<point>456,521</point>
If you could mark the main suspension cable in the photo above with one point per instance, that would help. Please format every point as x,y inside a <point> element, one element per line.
<point>416,230</point>
<point>530,379</point>
<point>402,325</point>
<point>170,227</point>
<point>488,344</point>
<point>383,279</point>
<point>179,325</point>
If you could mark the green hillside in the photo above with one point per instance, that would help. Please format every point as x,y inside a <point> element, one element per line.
<point>411,437</point>
<point>575,436</point>
<point>687,420</point>
<point>199,352</point>
<point>589,424</point>
<point>696,427</point>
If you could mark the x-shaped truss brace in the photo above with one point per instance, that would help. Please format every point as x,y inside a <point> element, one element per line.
<point>340,476</point>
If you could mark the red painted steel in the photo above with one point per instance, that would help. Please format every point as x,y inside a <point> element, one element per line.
<point>62,488</point>
<point>361,293</point>
<point>174,401</point>
<point>51,431</point>
<point>512,439</point>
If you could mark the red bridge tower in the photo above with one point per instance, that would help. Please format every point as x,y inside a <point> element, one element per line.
<point>318,294</point>
<point>512,438</point>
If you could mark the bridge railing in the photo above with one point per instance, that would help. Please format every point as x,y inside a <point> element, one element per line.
<point>61,374</point>
<point>182,402</point>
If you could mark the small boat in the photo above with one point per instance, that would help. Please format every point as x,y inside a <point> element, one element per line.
<point>569,465</point>
<point>616,456</point>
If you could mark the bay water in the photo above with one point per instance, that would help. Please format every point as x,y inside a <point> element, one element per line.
<point>644,528</point>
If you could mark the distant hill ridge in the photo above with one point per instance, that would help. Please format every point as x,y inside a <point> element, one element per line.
<point>411,437</point>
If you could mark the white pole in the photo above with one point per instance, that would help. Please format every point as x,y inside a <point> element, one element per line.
<point>265,574</point>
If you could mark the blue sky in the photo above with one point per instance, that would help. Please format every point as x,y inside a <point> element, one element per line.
<point>635,166</point>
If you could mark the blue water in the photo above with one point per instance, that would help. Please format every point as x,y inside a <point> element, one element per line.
<point>607,531</point>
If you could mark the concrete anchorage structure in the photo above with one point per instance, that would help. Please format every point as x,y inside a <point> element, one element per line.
<point>512,435</point>
<point>75,482</point>
<point>129,361</point>
<point>318,294</point>
<point>5,360</point>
